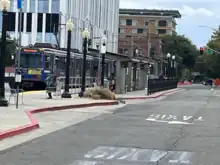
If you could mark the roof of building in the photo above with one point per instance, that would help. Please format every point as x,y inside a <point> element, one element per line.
<point>154,12</point>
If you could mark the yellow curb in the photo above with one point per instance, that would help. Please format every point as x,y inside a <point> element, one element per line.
<point>32,92</point>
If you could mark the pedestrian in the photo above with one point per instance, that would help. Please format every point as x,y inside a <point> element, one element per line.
<point>51,84</point>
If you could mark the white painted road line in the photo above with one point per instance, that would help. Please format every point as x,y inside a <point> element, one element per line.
<point>168,122</point>
<point>160,121</point>
<point>178,122</point>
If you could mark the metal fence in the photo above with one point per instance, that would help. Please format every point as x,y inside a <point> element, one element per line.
<point>74,84</point>
<point>157,85</point>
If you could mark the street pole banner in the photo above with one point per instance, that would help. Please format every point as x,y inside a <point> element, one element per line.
<point>19,4</point>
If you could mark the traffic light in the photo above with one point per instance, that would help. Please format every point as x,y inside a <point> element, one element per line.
<point>90,42</point>
<point>201,50</point>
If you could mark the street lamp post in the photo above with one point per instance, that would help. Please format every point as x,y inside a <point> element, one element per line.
<point>4,5</point>
<point>147,78</point>
<point>103,52</point>
<point>173,66</point>
<point>66,93</point>
<point>85,46</point>
<point>168,66</point>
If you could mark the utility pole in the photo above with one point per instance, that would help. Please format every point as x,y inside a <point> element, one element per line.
<point>18,72</point>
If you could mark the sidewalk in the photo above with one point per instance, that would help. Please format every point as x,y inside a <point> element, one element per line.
<point>12,119</point>
<point>143,95</point>
<point>16,121</point>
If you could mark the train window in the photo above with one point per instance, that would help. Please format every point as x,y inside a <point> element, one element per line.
<point>88,68</point>
<point>47,62</point>
<point>60,63</point>
<point>72,67</point>
<point>30,60</point>
<point>106,69</point>
<point>79,66</point>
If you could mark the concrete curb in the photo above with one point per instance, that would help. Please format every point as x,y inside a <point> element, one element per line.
<point>34,123</point>
<point>150,97</point>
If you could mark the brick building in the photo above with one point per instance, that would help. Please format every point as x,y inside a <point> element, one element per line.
<point>143,29</point>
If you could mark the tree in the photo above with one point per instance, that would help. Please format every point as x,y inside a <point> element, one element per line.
<point>212,61</point>
<point>185,52</point>
<point>182,47</point>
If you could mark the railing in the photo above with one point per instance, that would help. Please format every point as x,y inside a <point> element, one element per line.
<point>74,83</point>
<point>157,85</point>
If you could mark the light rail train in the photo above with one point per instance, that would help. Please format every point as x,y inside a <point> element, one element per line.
<point>37,62</point>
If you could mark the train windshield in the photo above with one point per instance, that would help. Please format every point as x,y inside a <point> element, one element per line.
<point>31,60</point>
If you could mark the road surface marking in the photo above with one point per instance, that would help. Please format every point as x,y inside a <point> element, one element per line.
<point>100,152</point>
<point>161,121</point>
<point>199,119</point>
<point>129,155</point>
<point>157,155</point>
<point>187,117</point>
<point>181,157</point>
<point>170,118</point>
<point>120,150</point>
<point>178,122</point>
<point>168,122</point>
<point>138,155</point>
<point>82,162</point>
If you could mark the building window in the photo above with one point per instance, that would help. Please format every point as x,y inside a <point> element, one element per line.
<point>123,22</point>
<point>134,30</point>
<point>146,23</point>
<point>128,22</point>
<point>162,23</point>
<point>134,22</point>
<point>50,38</point>
<point>55,6</point>
<point>140,30</point>
<point>43,6</point>
<point>128,36</point>
<point>32,6</point>
<point>162,31</point>
<point>120,30</point>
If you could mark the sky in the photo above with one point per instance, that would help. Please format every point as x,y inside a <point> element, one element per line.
<point>195,13</point>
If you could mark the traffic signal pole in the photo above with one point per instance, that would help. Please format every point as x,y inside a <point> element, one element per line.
<point>213,50</point>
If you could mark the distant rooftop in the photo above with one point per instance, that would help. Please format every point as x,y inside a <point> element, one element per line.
<point>154,12</point>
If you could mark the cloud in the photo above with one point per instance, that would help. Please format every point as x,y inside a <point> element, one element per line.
<point>194,13</point>
<point>184,9</point>
<point>189,11</point>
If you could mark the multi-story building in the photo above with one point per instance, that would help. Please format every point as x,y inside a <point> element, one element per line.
<point>42,18</point>
<point>140,22</point>
<point>143,29</point>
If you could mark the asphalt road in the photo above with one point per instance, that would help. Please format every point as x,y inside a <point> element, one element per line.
<point>182,129</point>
